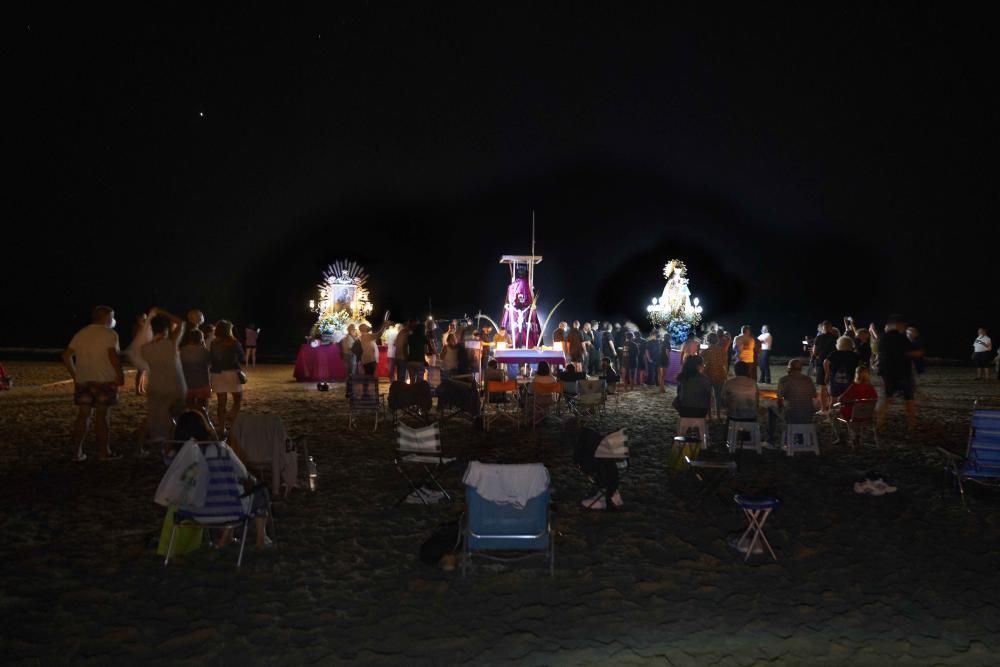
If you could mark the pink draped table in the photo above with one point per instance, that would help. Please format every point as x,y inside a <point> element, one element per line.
<point>323,364</point>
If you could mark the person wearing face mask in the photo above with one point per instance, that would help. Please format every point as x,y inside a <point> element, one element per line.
<point>93,361</point>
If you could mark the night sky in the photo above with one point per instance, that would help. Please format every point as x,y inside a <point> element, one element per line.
<point>807,163</point>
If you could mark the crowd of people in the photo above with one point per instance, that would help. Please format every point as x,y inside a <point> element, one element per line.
<point>842,364</point>
<point>179,365</point>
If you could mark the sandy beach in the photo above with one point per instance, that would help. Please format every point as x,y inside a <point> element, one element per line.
<point>908,577</point>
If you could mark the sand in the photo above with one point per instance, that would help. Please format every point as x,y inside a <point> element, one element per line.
<point>908,577</point>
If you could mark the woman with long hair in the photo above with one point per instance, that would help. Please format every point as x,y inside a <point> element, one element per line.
<point>694,390</point>
<point>226,371</point>
<point>196,362</point>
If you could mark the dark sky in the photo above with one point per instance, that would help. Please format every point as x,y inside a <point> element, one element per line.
<point>806,162</point>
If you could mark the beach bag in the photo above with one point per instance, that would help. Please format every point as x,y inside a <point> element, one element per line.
<point>186,481</point>
<point>447,539</point>
<point>186,540</point>
<point>675,457</point>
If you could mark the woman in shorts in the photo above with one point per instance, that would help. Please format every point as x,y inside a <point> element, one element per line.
<point>226,371</point>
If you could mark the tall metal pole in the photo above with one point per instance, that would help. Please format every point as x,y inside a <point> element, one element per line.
<point>531,262</point>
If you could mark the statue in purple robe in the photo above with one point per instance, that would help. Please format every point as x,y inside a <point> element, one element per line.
<point>520,318</point>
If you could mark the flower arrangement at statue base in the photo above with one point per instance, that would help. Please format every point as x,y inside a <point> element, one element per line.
<point>679,331</point>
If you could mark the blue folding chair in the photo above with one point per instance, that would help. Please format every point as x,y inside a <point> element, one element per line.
<point>981,463</point>
<point>494,527</point>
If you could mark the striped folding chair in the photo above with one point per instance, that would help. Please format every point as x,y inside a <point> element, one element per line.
<point>420,447</point>
<point>227,504</point>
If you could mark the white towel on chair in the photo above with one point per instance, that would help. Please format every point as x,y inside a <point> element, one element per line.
<point>262,439</point>
<point>514,484</point>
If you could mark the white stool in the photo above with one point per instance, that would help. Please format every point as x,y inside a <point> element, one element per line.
<point>736,429</point>
<point>700,423</point>
<point>800,438</point>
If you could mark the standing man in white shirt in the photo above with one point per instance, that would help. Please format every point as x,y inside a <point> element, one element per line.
<point>766,341</point>
<point>92,359</point>
<point>982,354</point>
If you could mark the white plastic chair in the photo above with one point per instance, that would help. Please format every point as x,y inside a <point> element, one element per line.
<point>800,438</point>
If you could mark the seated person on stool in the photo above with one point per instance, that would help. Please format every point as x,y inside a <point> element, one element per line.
<point>493,373</point>
<point>694,391</point>
<point>797,396</point>
<point>571,374</point>
<point>609,374</point>
<point>739,395</point>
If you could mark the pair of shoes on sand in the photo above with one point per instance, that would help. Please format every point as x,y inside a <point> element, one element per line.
<point>599,501</point>
<point>874,487</point>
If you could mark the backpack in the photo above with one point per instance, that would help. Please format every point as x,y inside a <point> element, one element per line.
<point>446,539</point>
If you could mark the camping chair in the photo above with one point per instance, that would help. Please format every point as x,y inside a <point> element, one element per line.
<point>507,511</point>
<point>262,443</point>
<point>420,447</point>
<point>602,459</point>
<point>544,399</point>
<point>457,399</point>
<point>500,402</point>
<point>412,400</point>
<point>862,418</point>
<point>363,396</point>
<point>981,463</point>
<point>228,504</point>
<point>710,470</point>
<point>570,392</point>
<point>593,397</point>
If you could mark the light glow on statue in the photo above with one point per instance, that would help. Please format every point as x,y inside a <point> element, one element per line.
<point>675,309</point>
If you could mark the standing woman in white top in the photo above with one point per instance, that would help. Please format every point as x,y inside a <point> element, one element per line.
<point>142,333</point>
<point>766,341</point>
<point>982,354</point>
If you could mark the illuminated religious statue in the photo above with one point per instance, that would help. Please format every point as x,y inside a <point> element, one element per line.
<point>675,309</point>
<point>343,300</point>
<point>520,315</point>
<point>676,297</point>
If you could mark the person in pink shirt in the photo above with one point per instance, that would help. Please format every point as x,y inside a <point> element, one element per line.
<point>250,348</point>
